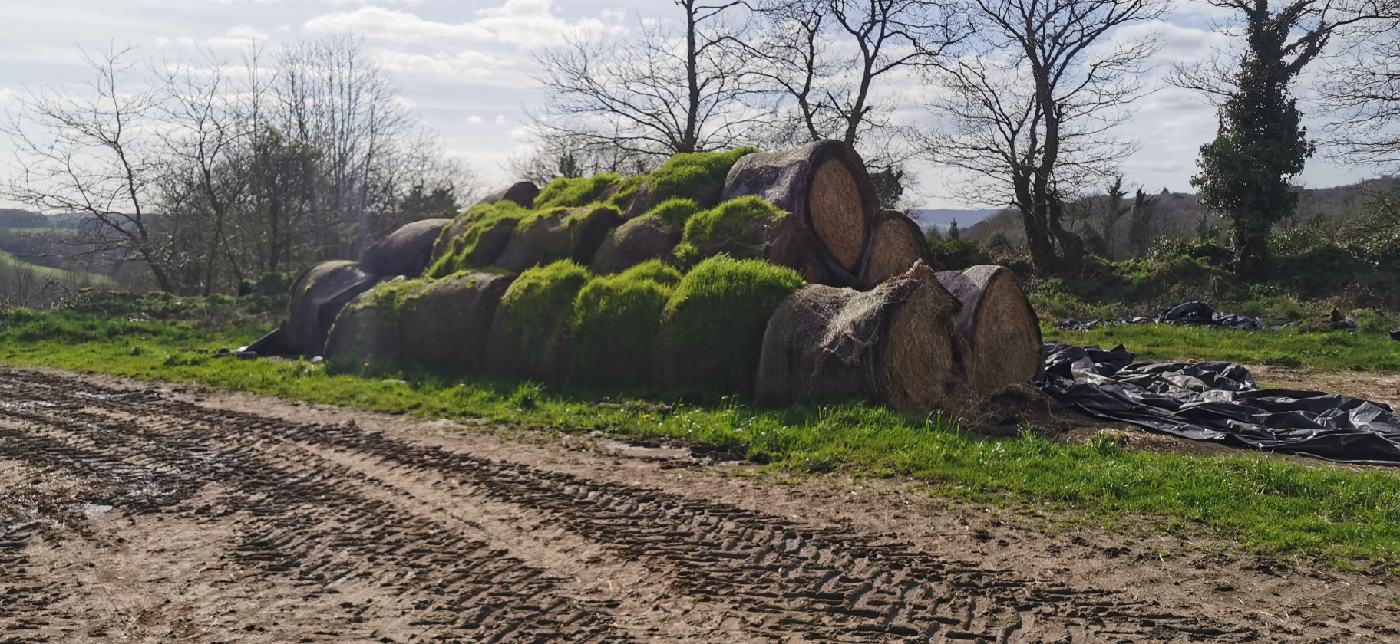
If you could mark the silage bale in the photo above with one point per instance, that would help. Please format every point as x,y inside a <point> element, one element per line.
<point>576,192</point>
<point>475,238</point>
<point>521,193</point>
<point>895,343</point>
<point>366,333</point>
<point>529,334</point>
<point>406,251</point>
<point>317,297</point>
<point>712,326</point>
<point>738,228</point>
<point>697,176</point>
<point>616,318</point>
<point>1001,328</point>
<point>558,233</point>
<point>896,243</point>
<point>651,236</point>
<point>825,185</point>
<point>446,323</point>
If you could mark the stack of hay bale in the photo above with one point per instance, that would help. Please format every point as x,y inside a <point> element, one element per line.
<point>770,274</point>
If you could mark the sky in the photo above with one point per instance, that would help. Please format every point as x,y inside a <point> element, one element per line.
<point>465,67</point>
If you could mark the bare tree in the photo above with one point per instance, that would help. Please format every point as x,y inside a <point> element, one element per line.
<point>95,154</point>
<point>1362,92</point>
<point>658,94</point>
<point>1030,117</point>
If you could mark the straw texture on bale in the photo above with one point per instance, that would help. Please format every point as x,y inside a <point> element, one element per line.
<point>896,243</point>
<point>520,193</point>
<point>446,323</point>
<point>922,363</point>
<point>317,297</point>
<point>406,251</point>
<point>825,184</point>
<point>821,345</point>
<point>999,324</point>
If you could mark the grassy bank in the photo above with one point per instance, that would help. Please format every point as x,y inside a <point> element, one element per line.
<point>1268,505</point>
<point>1331,350</point>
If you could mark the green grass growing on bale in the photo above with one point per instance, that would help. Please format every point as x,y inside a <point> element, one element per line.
<point>1270,506</point>
<point>1333,350</point>
<point>370,324</point>
<point>698,176</point>
<point>714,322</point>
<point>572,192</point>
<point>674,212</point>
<point>616,319</point>
<point>455,253</point>
<point>540,305</point>
<point>735,226</point>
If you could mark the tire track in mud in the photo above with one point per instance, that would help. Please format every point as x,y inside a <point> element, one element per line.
<point>321,505</point>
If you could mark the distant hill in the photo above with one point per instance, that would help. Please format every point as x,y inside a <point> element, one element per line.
<point>940,218</point>
<point>1179,215</point>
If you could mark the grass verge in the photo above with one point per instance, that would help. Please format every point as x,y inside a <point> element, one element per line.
<point>1272,506</point>
<point>1331,350</point>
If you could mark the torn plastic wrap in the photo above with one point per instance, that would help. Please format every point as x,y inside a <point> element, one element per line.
<point>1218,401</point>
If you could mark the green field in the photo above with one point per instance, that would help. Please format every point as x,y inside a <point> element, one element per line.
<point>45,273</point>
<point>1268,505</point>
<point>1332,350</point>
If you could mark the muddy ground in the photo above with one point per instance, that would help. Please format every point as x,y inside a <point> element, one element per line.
<point>141,513</point>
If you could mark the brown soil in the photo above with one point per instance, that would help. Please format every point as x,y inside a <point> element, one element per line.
<point>1378,387</point>
<point>132,512</point>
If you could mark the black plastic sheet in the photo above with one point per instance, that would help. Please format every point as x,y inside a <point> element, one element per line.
<point>1186,313</point>
<point>1219,401</point>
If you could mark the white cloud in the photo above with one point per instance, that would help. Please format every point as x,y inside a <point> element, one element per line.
<point>524,23</point>
<point>475,120</point>
<point>470,65</point>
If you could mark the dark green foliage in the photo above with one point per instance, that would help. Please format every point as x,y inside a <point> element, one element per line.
<point>734,227</point>
<point>713,324</point>
<point>616,319</point>
<point>566,192</point>
<point>675,212</point>
<point>532,319</point>
<point>954,254</point>
<point>457,247</point>
<point>1261,144</point>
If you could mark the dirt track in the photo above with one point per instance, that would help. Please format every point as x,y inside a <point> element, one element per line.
<point>131,513</point>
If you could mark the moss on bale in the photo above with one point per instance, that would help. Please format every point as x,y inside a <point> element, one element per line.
<point>712,327</point>
<point>674,212</point>
<point>529,333</point>
<point>475,237</point>
<point>572,192</point>
<point>616,319</point>
<point>735,227</point>
<point>698,176</point>
<point>366,333</point>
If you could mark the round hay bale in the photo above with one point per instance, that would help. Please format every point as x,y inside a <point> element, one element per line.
<point>529,333</point>
<point>366,335</point>
<point>446,322</point>
<point>616,318</point>
<point>712,327</point>
<point>1001,328</point>
<point>738,228</point>
<point>697,176</point>
<point>824,183</point>
<point>317,297</point>
<point>789,242</point>
<point>521,193</point>
<point>576,192</point>
<point>820,346</point>
<point>475,238</point>
<point>650,236</point>
<point>896,243</point>
<point>406,251</point>
<point>557,233</point>
<point>922,362</point>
